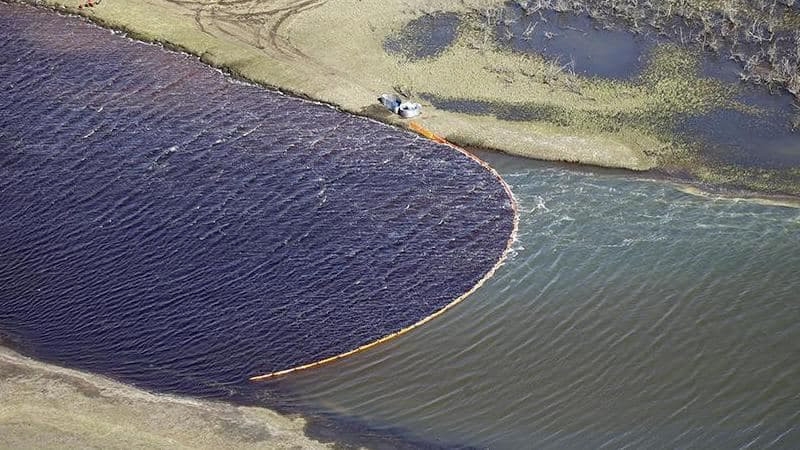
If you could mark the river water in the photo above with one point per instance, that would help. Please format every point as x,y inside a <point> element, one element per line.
<point>632,314</point>
<point>629,313</point>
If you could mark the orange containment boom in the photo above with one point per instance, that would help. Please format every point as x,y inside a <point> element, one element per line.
<point>427,133</point>
<point>511,239</point>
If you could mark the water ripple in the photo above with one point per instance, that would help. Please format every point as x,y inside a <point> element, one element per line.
<point>166,226</point>
<point>632,315</point>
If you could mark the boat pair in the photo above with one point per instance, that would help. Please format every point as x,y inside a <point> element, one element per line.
<point>399,106</point>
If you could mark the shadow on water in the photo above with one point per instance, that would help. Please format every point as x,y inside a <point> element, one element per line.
<point>425,37</point>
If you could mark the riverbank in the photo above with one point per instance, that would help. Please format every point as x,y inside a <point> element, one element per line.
<point>296,49</point>
<point>340,53</point>
<point>46,406</point>
<point>315,49</point>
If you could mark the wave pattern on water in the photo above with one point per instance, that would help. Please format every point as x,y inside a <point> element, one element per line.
<point>631,315</point>
<point>172,229</point>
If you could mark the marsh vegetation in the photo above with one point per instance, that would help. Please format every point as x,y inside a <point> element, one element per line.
<point>721,104</point>
<point>763,36</point>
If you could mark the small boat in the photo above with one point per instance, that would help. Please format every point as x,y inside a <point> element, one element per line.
<point>409,109</point>
<point>399,106</point>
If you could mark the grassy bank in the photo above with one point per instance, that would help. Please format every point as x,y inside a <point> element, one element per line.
<point>333,51</point>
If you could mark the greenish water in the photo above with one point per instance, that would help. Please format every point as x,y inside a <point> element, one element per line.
<point>631,314</point>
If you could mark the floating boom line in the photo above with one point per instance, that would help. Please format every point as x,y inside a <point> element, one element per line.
<point>416,127</point>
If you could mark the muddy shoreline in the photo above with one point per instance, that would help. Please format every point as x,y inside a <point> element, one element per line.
<point>46,406</point>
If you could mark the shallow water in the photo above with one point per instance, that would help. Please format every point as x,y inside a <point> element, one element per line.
<point>763,138</point>
<point>425,37</point>
<point>631,314</point>
<point>168,227</point>
<point>576,42</point>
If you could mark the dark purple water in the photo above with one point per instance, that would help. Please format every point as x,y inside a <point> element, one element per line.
<point>170,228</point>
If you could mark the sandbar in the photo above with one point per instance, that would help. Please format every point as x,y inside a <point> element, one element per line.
<point>46,406</point>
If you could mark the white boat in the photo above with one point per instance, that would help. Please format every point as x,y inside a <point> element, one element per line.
<point>399,106</point>
<point>409,109</point>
